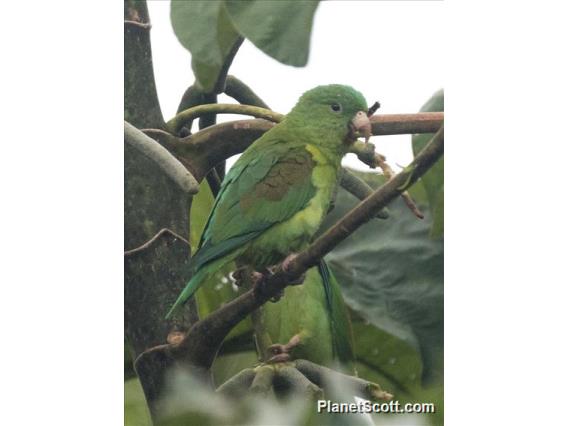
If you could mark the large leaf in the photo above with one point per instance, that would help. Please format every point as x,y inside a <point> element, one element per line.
<point>204,28</point>
<point>281,29</point>
<point>391,274</point>
<point>386,359</point>
<point>433,180</point>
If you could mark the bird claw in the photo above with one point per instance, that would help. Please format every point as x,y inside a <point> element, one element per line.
<point>283,357</point>
<point>281,353</point>
<point>259,280</point>
<point>286,262</point>
<point>277,296</point>
<point>286,268</point>
<point>238,276</point>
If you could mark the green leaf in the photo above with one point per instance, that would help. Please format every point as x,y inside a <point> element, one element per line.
<point>391,274</point>
<point>281,29</point>
<point>433,180</point>
<point>128,362</point>
<point>388,360</point>
<point>227,366</point>
<point>437,230</point>
<point>135,409</point>
<point>204,28</point>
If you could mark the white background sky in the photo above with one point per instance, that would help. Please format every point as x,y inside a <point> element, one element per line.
<point>389,51</point>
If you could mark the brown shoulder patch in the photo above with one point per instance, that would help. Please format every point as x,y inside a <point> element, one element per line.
<point>285,173</point>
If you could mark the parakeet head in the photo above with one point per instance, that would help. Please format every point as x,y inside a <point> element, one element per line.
<point>334,109</point>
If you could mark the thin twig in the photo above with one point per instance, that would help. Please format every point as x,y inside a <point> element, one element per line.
<point>162,157</point>
<point>152,240</point>
<point>389,174</point>
<point>143,25</point>
<point>367,154</point>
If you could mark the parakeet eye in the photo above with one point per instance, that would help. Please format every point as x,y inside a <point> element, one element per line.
<point>335,107</point>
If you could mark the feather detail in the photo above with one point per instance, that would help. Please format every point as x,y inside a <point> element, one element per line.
<point>340,323</point>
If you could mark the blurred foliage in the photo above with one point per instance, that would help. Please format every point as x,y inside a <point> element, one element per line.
<point>204,407</point>
<point>433,180</point>
<point>135,410</point>
<point>210,29</point>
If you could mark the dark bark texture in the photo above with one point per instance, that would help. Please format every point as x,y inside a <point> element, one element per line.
<point>155,274</point>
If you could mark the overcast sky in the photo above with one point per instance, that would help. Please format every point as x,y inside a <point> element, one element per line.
<point>389,50</point>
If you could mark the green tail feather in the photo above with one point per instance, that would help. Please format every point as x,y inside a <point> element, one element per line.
<point>200,276</point>
<point>339,317</point>
<point>190,288</point>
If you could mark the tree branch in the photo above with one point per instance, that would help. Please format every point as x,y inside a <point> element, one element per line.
<point>221,80</point>
<point>402,124</point>
<point>359,188</point>
<point>162,157</point>
<point>176,123</point>
<point>203,340</point>
<point>152,240</point>
<point>367,154</point>
<point>242,93</point>
<point>201,151</point>
<point>389,174</point>
<point>383,124</point>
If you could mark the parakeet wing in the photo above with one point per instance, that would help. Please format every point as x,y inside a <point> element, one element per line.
<point>265,188</point>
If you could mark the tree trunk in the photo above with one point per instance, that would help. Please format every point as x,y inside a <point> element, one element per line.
<point>155,274</point>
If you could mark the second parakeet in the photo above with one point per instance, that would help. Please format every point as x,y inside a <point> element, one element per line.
<point>271,204</point>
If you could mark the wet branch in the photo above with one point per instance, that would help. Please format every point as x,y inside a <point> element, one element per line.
<point>162,157</point>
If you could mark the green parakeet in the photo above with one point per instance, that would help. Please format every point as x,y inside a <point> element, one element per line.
<point>271,204</point>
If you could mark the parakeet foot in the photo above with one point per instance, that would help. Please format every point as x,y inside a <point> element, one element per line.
<point>286,267</point>
<point>238,276</point>
<point>281,353</point>
<point>259,279</point>
<point>286,262</point>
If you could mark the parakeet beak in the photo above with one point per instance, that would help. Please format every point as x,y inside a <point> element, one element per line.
<point>360,126</point>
